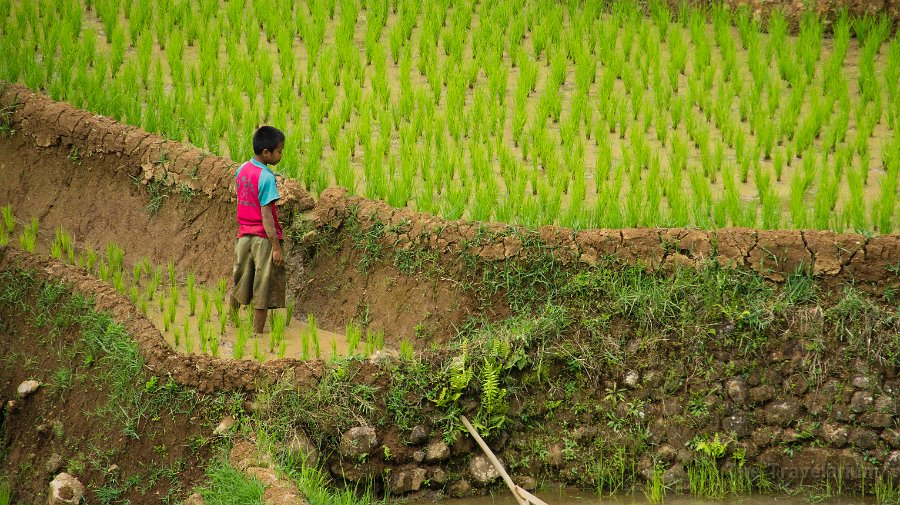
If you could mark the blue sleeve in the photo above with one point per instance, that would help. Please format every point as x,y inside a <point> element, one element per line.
<point>268,193</point>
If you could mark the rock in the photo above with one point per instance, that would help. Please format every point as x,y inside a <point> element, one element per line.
<point>892,463</point>
<point>418,456</point>
<point>112,468</point>
<point>666,453</point>
<point>460,489</point>
<point>632,378</point>
<point>194,499</point>
<point>861,382</point>
<point>861,401</point>
<point>482,471</point>
<point>418,435</point>
<point>224,426</point>
<point>835,434</point>
<point>384,356</point>
<point>53,464</point>
<point>65,489</point>
<point>555,455</point>
<point>27,388</point>
<point>737,423</point>
<point>737,391</point>
<point>526,482</point>
<point>876,420</point>
<point>302,447</point>
<point>891,437</point>
<point>887,405</point>
<point>405,481</point>
<point>864,439</point>
<point>761,394</point>
<point>782,413</point>
<point>437,475</point>
<point>437,451</point>
<point>675,476</point>
<point>358,441</point>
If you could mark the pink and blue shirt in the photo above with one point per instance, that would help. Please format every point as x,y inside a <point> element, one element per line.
<point>255,185</point>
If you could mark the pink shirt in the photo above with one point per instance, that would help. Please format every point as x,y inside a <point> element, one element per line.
<point>255,185</point>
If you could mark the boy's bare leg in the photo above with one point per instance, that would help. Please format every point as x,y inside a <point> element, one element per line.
<point>259,320</point>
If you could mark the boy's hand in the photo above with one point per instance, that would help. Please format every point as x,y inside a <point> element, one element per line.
<point>277,257</point>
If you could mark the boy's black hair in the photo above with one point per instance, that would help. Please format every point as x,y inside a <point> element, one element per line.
<point>267,137</point>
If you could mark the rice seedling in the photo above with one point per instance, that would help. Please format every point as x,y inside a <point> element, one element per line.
<point>188,338</point>
<point>172,278</point>
<point>28,237</point>
<point>135,295</point>
<point>9,220</point>
<point>374,342</point>
<point>353,333</point>
<point>192,293</point>
<point>406,350</point>
<point>276,335</point>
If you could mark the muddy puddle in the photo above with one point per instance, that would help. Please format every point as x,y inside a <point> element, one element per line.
<point>573,496</point>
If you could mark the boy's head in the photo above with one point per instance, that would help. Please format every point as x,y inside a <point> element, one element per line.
<point>268,143</point>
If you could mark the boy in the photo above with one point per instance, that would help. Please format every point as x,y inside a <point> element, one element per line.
<point>259,275</point>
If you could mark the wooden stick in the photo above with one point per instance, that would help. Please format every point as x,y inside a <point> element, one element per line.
<point>530,497</point>
<point>516,490</point>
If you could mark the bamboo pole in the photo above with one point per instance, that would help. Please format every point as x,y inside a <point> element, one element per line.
<point>521,495</point>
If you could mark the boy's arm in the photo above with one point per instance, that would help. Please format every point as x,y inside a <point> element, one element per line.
<point>269,225</point>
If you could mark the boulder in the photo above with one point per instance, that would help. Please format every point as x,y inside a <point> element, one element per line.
<point>418,435</point>
<point>300,446</point>
<point>407,480</point>
<point>861,401</point>
<point>437,451</point>
<point>224,426</point>
<point>65,489</point>
<point>482,471</point>
<point>53,464</point>
<point>737,391</point>
<point>460,488</point>
<point>27,388</point>
<point>783,413</point>
<point>358,441</point>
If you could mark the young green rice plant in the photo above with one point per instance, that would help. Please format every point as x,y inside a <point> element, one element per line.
<point>313,330</point>
<point>206,310</point>
<point>172,279</point>
<point>118,281</point>
<point>116,257</point>
<point>244,332</point>
<point>135,295</point>
<point>9,221</point>
<point>172,308</point>
<point>276,335</point>
<point>406,350</point>
<point>374,342</point>
<point>258,354</point>
<point>144,308</point>
<point>176,335</point>
<point>203,336</point>
<point>153,283</point>
<point>192,293</point>
<point>4,236</point>
<point>28,237</point>
<point>353,332</point>
<point>188,338</point>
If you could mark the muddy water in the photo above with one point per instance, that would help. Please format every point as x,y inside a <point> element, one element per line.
<point>572,496</point>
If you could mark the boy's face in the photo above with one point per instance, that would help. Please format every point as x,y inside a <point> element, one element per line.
<point>272,157</point>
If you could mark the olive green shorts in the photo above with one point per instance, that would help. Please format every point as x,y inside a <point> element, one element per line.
<point>256,279</point>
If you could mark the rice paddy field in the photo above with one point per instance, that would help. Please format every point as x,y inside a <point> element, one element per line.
<point>532,112</point>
